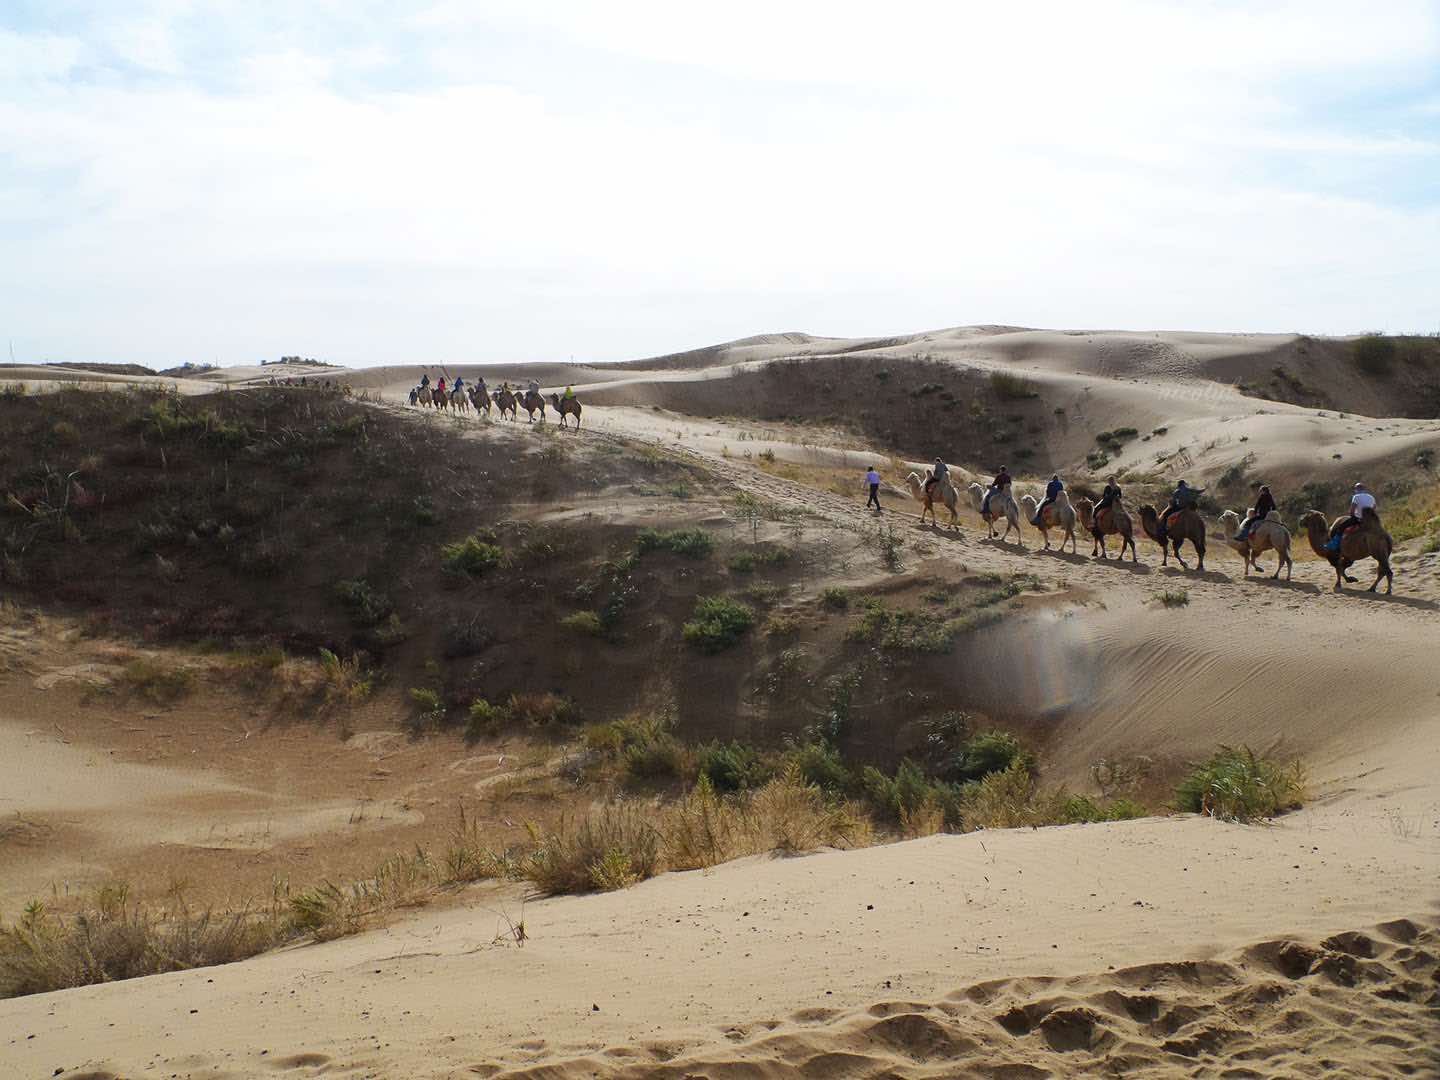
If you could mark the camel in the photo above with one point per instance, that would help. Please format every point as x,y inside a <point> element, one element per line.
<point>1116,522</point>
<point>480,399</point>
<point>1058,515</point>
<point>947,494</point>
<point>1270,534</point>
<point>506,402</point>
<point>441,398</point>
<point>566,407</point>
<point>1369,541</point>
<point>1009,510</point>
<point>458,401</point>
<point>1189,525</point>
<point>424,395</point>
<point>531,402</point>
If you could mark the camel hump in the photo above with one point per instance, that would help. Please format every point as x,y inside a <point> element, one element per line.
<point>1273,515</point>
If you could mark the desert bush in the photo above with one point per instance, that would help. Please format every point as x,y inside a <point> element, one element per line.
<point>614,846</point>
<point>1011,387</point>
<point>473,555</point>
<point>908,796</point>
<point>330,910</point>
<point>835,599</point>
<point>344,682</point>
<point>791,816</point>
<point>114,938</point>
<point>970,757</point>
<point>1076,809</point>
<point>482,718</point>
<point>1003,800</point>
<point>904,631</point>
<point>732,766</point>
<point>703,829</point>
<point>1173,597</point>
<point>466,637</point>
<point>746,562</point>
<point>1373,353</point>
<point>366,606</point>
<point>819,763</point>
<point>781,624</point>
<point>584,622</point>
<point>1236,784</point>
<point>718,623</point>
<point>689,543</point>
<point>155,680</point>
<point>541,709</point>
<point>429,707</point>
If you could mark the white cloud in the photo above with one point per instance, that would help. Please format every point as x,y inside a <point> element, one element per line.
<point>840,168</point>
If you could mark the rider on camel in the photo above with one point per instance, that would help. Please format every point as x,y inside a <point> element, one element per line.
<point>1182,498</point>
<point>1108,498</point>
<point>938,472</point>
<point>1361,501</point>
<point>1052,492</point>
<point>1263,505</point>
<point>998,485</point>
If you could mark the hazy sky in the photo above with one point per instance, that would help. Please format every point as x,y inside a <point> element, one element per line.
<point>377,182</point>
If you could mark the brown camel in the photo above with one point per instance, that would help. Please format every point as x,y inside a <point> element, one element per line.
<point>506,402</point>
<point>1058,515</point>
<point>566,407</point>
<point>480,399</point>
<point>1268,535</point>
<point>1187,525</point>
<point>1114,521</point>
<point>532,402</point>
<point>1368,541</point>
<point>927,500</point>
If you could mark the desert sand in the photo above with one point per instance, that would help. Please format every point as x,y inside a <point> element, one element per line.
<point>1179,945</point>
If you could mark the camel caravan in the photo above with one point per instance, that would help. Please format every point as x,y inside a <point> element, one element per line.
<point>460,398</point>
<point>1349,539</point>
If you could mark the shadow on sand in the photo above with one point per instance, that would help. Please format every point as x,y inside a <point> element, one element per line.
<point>1280,583</point>
<point>1359,593</point>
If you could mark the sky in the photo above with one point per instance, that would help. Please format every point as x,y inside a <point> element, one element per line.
<point>519,180</point>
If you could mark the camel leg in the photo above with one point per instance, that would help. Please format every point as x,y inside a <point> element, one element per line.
<point>1178,557</point>
<point>1134,555</point>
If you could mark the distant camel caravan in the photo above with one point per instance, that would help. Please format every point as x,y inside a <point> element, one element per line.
<point>1365,540</point>
<point>506,401</point>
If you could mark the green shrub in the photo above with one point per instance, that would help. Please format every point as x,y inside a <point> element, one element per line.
<point>584,622</point>
<point>429,708</point>
<point>732,766</point>
<point>155,681</point>
<point>746,562</point>
<point>367,607</point>
<point>718,623</point>
<point>1237,785</point>
<point>689,543</point>
<point>1081,808</point>
<point>1173,597</point>
<point>836,599</point>
<point>540,709</point>
<point>1010,387</point>
<point>483,718</point>
<point>473,556</point>
<point>614,846</point>
<point>820,764</point>
<point>1373,353</point>
<point>985,753</point>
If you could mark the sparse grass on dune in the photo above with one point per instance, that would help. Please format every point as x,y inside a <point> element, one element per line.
<point>1236,784</point>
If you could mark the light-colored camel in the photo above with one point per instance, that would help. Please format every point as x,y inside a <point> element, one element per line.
<point>532,402</point>
<point>1369,541</point>
<point>947,493</point>
<point>459,401</point>
<point>1009,509</point>
<point>1189,525</point>
<point>566,407</point>
<point>506,402</point>
<point>1058,515</point>
<point>424,395</point>
<point>1115,522</point>
<point>1268,535</point>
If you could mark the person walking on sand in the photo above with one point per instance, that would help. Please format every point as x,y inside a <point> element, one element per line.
<point>872,480</point>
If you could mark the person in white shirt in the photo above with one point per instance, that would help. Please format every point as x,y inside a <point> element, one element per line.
<point>1361,501</point>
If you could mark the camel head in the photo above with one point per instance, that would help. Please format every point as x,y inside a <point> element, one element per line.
<point>1231,520</point>
<point>1314,519</point>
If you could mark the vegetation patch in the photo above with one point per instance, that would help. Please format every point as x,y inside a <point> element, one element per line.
<point>718,623</point>
<point>687,543</point>
<point>1236,784</point>
<point>475,555</point>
